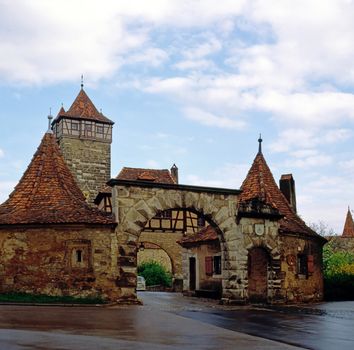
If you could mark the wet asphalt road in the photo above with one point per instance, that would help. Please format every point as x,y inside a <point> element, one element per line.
<point>127,327</point>
<point>171,321</point>
<point>324,326</point>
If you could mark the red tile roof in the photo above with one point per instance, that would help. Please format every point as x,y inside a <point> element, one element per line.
<point>47,193</point>
<point>153,175</point>
<point>83,108</point>
<point>348,230</point>
<point>260,184</point>
<point>206,234</point>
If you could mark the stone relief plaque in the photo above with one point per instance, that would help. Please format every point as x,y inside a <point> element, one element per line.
<point>259,229</point>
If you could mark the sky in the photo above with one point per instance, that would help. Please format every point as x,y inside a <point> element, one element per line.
<point>193,83</point>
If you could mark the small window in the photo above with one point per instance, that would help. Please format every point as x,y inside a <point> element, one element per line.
<point>201,221</point>
<point>88,127</point>
<point>79,256</point>
<point>302,264</point>
<point>166,214</point>
<point>217,265</point>
<point>74,126</point>
<point>99,129</point>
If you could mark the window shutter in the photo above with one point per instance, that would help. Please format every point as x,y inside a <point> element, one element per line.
<point>209,265</point>
<point>310,264</point>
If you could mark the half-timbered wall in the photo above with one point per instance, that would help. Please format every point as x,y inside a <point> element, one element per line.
<point>83,129</point>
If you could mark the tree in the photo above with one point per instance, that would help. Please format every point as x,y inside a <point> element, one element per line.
<point>322,228</point>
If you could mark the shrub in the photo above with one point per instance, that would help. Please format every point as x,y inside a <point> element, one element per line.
<point>338,274</point>
<point>155,274</point>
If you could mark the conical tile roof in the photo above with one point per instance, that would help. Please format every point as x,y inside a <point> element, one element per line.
<point>348,230</point>
<point>83,108</point>
<point>260,184</point>
<point>47,193</point>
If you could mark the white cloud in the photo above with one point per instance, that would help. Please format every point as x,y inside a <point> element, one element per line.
<point>2,153</point>
<point>195,65</point>
<point>6,187</point>
<point>209,119</point>
<point>303,140</point>
<point>151,56</point>
<point>227,176</point>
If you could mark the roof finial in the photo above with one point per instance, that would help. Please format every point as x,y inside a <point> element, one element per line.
<point>82,81</point>
<point>260,144</point>
<point>50,117</point>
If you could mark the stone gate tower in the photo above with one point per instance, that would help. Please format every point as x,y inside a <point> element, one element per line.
<point>85,135</point>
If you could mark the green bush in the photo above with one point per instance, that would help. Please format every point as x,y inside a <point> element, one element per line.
<point>155,274</point>
<point>338,274</point>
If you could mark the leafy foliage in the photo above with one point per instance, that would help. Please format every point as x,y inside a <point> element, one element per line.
<point>155,274</point>
<point>338,270</point>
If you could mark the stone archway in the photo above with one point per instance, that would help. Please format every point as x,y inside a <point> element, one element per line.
<point>135,203</point>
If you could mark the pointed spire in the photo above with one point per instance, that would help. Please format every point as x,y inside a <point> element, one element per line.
<point>83,108</point>
<point>82,81</point>
<point>50,117</point>
<point>260,144</point>
<point>348,230</point>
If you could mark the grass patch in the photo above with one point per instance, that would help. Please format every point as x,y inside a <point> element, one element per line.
<point>47,299</point>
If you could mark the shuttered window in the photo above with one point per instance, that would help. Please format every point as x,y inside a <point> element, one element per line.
<point>209,265</point>
<point>310,264</point>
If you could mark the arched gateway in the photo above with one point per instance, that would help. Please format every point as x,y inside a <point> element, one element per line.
<point>134,203</point>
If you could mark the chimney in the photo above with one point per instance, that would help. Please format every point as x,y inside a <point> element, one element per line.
<point>174,173</point>
<point>287,187</point>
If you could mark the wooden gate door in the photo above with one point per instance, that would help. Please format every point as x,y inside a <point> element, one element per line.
<point>192,274</point>
<point>258,260</point>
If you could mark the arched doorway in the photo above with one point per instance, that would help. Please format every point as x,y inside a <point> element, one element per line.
<point>258,262</point>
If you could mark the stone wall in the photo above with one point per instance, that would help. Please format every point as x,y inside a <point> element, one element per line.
<point>43,260</point>
<point>89,162</point>
<point>297,287</point>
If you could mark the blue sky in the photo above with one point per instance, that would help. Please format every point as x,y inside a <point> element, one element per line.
<point>191,83</point>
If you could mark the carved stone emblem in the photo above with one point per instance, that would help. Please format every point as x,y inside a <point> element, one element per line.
<point>259,229</point>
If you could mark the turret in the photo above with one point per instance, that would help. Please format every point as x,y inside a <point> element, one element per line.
<point>84,136</point>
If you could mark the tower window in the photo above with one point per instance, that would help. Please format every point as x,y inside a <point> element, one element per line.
<point>74,126</point>
<point>99,129</point>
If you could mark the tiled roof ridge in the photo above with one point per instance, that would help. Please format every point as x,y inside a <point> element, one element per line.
<point>131,173</point>
<point>145,169</point>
